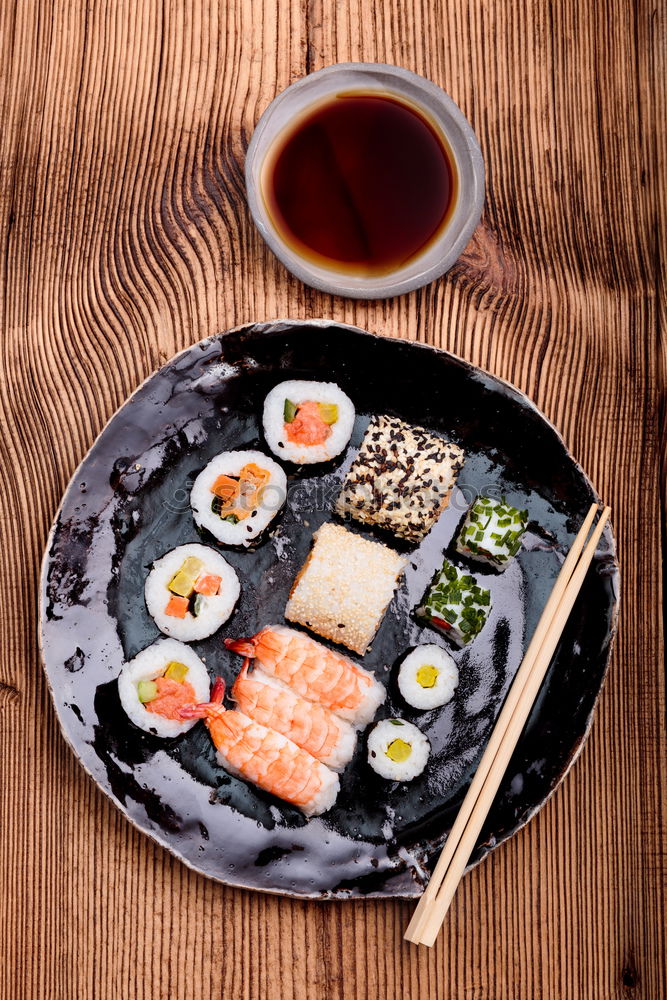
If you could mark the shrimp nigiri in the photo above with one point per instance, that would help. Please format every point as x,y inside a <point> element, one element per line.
<point>264,757</point>
<point>314,672</point>
<point>268,701</point>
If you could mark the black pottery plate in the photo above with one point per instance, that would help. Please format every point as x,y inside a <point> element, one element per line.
<point>128,504</point>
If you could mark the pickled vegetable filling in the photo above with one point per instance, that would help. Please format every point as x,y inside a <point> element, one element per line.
<point>189,588</point>
<point>427,675</point>
<point>398,751</point>
<point>309,422</point>
<point>236,497</point>
<point>167,694</point>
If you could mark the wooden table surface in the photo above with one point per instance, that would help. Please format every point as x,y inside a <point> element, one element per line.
<point>125,237</point>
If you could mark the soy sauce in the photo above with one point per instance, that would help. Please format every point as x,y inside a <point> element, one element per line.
<point>361,184</point>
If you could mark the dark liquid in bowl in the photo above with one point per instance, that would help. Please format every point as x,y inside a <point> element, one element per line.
<point>361,184</point>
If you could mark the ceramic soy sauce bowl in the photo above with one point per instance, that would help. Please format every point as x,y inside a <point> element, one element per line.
<point>448,124</point>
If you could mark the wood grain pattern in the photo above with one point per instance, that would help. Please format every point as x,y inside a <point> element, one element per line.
<point>125,237</point>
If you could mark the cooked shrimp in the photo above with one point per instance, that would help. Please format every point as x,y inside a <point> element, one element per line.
<point>313,728</point>
<point>264,757</point>
<point>316,673</point>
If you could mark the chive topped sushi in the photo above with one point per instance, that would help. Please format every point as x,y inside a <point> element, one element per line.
<point>158,682</point>
<point>397,750</point>
<point>492,532</point>
<point>455,604</point>
<point>428,677</point>
<point>191,591</point>
<point>306,422</point>
<point>237,495</point>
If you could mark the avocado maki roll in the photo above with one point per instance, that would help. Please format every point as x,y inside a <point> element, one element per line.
<point>190,592</point>
<point>160,681</point>
<point>306,422</point>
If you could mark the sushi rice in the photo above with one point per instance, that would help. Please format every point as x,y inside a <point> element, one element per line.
<point>428,677</point>
<point>149,664</point>
<point>288,395</point>
<point>397,750</point>
<point>216,609</point>
<point>256,518</point>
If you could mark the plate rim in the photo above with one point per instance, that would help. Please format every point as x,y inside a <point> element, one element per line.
<point>333,895</point>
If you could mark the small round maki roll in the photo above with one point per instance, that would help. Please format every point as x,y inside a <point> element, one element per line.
<point>237,495</point>
<point>428,677</point>
<point>191,591</point>
<point>159,681</point>
<point>306,422</point>
<point>397,750</point>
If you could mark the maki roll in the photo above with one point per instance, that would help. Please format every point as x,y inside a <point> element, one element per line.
<point>455,604</point>
<point>237,495</point>
<point>402,478</point>
<point>428,677</point>
<point>492,532</point>
<point>397,750</point>
<point>343,589</point>
<point>158,682</point>
<point>306,422</point>
<point>191,591</point>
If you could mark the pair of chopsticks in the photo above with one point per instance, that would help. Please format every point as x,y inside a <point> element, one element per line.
<point>432,908</point>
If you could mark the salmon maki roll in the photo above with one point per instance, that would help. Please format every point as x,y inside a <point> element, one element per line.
<point>306,422</point>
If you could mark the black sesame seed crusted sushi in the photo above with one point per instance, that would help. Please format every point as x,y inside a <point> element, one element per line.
<point>402,478</point>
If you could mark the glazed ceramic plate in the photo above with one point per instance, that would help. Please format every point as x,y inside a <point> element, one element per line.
<point>128,504</point>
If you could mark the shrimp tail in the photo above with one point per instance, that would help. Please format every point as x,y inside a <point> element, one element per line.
<point>246,647</point>
<point>203,710</point>
<point>194,711</point>
<point>241,676</point>
<point>218,692</point>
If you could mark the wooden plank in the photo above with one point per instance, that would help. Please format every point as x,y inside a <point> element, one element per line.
<point>125,237</point>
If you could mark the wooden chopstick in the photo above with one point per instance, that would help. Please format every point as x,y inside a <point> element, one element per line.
<point>430,912</point>
<point>420,915</point>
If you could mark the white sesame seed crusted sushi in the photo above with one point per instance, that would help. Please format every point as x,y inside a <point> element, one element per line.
<point>397,750</point>
<point>237,495</point>
<point>159,680</point>
<point>306,422</point>
<point>343,589</point>
<point>428,677</point>
<point>191,591</point>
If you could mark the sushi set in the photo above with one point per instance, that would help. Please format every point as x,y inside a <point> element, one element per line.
<point>287,592</point>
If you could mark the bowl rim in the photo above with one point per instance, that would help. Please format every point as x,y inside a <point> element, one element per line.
<point>373,287</point>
